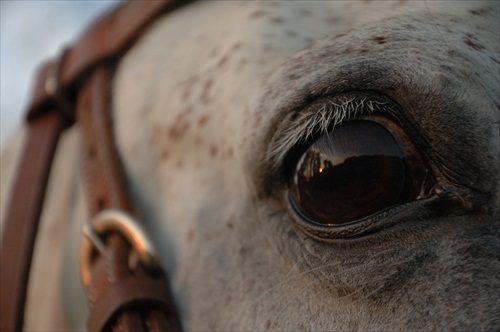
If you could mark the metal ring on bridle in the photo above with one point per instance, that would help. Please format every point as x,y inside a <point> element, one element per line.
<point>121,222</point>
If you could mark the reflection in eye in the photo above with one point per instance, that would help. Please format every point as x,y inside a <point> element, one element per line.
<point>352,172</point>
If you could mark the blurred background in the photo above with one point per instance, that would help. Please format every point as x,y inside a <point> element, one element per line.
<point>30,32</point>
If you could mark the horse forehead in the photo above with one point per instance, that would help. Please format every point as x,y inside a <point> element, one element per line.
<point>214,54</point>
<point>194,79</point>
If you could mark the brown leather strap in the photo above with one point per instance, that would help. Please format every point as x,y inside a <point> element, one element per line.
<point>49,112</point>
<point>121,297</point>
<point>105,180</point>
<point>22,217</point>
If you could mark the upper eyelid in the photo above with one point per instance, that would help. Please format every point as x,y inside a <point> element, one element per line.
<point>319,117</point>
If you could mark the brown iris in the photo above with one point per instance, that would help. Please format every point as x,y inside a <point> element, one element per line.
<point>350,173</point>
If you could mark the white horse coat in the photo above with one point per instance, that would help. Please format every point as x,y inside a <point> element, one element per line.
<point>206,106</point>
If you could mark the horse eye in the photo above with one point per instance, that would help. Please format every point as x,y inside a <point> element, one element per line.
<point>352,172</point>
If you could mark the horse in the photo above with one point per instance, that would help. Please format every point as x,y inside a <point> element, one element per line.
<point>305,166</point>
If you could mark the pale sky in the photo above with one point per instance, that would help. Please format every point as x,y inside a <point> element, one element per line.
<point>31,31</point>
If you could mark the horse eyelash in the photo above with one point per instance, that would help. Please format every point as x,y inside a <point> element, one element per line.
<point>318,121</point>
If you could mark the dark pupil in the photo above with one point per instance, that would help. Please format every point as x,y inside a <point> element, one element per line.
<point>354,171</point>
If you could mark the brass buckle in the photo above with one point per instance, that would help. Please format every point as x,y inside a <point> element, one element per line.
<point>121,222</point>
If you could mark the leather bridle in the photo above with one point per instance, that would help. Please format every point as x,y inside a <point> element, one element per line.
<point>77,89</point>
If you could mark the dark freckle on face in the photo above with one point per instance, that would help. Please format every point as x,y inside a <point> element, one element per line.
<point>174,133</point>
<point>237,46</point>
<point>472,44</point>
<point>291,33</point>
<point>230,225</point>
<point>165,154</point>
<point>293,76</point>
<point>446,68</point>
<point>213,151</point>
<point>333,19</point>
<point>304,12</point>
<point>478,12</point>
<point>177,131</point>
<point>222,61</point>
<point>309,41</point>
<point>272,4</point>
<point>258,13</point>
<point>190,235</point>
<point>277,20</point>
<point>203,120</point>
<point>379,39</point>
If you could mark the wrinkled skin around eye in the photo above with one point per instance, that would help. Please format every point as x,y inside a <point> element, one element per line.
<point>350,173</point>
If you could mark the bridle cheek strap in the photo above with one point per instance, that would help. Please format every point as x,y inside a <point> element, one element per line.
<point>123,295</point>
<point>21,220</point>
